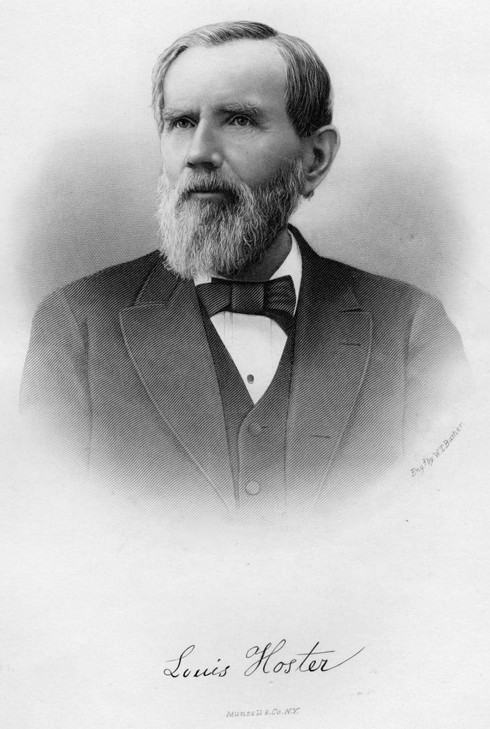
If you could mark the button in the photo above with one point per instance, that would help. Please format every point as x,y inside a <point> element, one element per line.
<point>252,488</point>
<point>250,379</point>
<point>255,429</point>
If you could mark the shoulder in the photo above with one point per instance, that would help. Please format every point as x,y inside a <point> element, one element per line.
<point>393,304</point>
<point>399,310</point>
<point>386,296</point>
<point>406,320</point>
<point>368,287</point>
<point>371,291</point>
<point>110,289</point>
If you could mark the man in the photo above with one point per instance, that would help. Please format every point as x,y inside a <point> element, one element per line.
<point>236,369</point>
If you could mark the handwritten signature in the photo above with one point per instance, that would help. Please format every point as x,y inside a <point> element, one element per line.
<point>265,660</point>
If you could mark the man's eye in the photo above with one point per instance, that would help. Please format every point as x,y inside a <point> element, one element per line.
<point>241,121</point>
<point>181,124</point>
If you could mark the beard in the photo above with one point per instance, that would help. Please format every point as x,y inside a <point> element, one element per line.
<point>225,235</point>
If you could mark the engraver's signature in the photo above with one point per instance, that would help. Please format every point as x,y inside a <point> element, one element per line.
<point>428,461</point>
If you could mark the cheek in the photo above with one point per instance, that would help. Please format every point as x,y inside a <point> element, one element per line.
<point>264,160</point>
<point>171,152</point>
<point>254,165</point>
<point>170,166</point>
<point>258,170</point>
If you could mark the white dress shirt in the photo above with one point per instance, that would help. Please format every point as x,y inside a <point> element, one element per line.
<point>256,343</point>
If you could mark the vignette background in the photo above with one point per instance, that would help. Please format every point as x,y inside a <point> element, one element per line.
<point>97,602</point>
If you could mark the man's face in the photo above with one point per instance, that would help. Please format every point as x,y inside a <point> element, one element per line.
<point>232,165</point>
<point>225,110</point>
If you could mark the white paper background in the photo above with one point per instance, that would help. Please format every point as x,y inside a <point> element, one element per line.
<point>97,599</point>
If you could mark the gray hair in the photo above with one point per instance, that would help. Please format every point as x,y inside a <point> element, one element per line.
<point>308,87</point>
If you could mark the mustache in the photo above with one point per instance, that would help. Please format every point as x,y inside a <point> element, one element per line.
<point>210,182</point>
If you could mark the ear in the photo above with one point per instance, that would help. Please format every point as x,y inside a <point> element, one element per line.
<point>319,152</point>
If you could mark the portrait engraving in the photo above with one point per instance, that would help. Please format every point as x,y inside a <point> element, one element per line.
<point>245,485</point>
<point>235,369</point>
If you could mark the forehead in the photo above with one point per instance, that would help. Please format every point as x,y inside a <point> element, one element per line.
<point>245,70</point>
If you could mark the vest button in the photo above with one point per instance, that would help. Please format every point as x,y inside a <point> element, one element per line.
<point>252,488</point>
<point>255,429</point>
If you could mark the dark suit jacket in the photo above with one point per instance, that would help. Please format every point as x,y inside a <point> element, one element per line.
<point>119,364</point>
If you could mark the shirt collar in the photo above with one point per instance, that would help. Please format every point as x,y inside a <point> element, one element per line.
<point>291,266</point>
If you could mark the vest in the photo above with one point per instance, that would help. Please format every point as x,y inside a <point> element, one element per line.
<point>256,434</point>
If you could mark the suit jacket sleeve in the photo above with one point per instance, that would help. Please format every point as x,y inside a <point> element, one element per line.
<point>437,378</point>
<point>54,391</point>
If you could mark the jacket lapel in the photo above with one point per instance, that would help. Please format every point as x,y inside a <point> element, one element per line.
<point>165,337</point>
<point>331,353</point>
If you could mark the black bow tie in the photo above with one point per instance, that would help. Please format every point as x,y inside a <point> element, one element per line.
<point>275,298</point>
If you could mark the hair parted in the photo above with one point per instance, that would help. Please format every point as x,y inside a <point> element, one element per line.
<point>308,88</point>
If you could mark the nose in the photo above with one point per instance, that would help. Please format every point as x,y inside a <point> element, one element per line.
<point>204,149</point>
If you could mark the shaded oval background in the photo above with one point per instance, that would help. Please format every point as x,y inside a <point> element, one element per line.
<point>407,194</point>
<point>83,189</point>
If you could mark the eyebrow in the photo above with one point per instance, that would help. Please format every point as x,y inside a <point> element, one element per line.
<point>251,110</point>
<point>170,113</point>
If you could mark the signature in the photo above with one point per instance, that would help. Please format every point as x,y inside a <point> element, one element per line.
<point>261,660</point>
<point>429,460</point>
